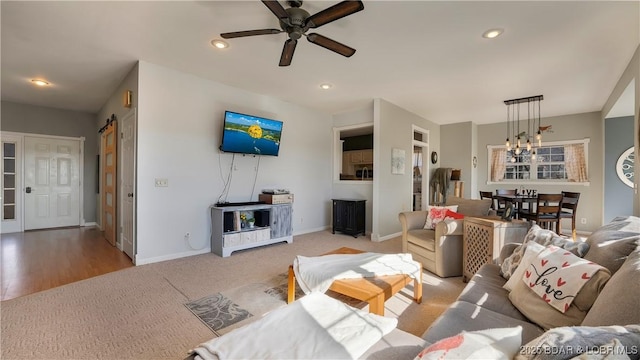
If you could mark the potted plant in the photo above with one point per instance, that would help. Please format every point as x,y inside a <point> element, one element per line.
<point>251,222</point>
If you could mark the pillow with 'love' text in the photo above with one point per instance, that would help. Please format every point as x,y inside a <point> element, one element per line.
<point>558,288</point>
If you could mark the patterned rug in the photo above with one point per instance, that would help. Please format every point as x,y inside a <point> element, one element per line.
<point>227,310</point>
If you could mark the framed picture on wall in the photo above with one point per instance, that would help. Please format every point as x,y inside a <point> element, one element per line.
<point>397,161</point>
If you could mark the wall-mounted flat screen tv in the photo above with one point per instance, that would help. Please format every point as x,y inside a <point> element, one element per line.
<point>248,134</point>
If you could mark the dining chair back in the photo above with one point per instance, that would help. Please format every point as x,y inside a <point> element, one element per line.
<point>500,204</point>
<point>488,195</point>
<point>547,211</point>
<point>569,209</point>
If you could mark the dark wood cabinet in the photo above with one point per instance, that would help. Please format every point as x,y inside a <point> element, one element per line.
<point>349,216</point>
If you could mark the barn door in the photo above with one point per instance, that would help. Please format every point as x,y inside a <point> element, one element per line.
<point>109,169</point>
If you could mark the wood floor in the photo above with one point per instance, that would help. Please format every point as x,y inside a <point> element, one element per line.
<point>39,260</point>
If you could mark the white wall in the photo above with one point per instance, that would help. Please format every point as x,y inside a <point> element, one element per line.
<point>458,152</point>
<point>393,193</point>
<point>355,189</point>
<point>179,132</point>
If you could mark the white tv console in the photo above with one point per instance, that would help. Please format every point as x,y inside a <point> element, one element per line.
<point>234,234</point>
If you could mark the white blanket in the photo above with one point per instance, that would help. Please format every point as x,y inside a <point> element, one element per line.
<point>316,274</point>
<point>314,327</point>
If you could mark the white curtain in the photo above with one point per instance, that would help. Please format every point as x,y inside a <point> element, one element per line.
<point>498,164</point>
<point>575,163</point>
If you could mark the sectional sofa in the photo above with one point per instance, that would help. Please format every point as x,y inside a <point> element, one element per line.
<point>609,323</point>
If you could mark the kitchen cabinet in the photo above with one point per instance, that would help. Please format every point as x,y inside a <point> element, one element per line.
<point>349,216</point>
<point>355,160</point>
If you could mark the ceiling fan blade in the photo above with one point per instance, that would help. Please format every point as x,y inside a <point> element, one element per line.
<point>287,52</point>
<point>276,9</point>
<point>332,45</point>
<point>236,34</point>
<point>333,13</point>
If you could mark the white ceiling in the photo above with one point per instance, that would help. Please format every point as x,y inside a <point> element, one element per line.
<point>427,57</point>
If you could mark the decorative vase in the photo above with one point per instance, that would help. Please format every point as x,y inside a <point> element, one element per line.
<point>251,223</point>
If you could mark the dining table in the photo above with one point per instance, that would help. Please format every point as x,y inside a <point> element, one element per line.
<point>517,200</point>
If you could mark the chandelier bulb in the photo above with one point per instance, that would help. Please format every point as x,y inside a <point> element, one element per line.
<point>517,150</point>
<point>540,142</point>
<point>539,135</point>
<point>518,141</point>
<point>513,159</point>
<point>533,155</point>
<point>508,144</point>
<point>528,145</point>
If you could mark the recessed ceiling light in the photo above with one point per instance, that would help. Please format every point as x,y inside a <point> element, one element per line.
<point>326,86</point>
<point>219,44</point>
<point>492,33</point>
<point>39,82</point>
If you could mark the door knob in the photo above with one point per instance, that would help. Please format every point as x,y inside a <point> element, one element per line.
<point>28,189</point>
<point>130,195</point>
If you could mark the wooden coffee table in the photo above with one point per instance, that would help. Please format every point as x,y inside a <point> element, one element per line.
<point>374,290</point>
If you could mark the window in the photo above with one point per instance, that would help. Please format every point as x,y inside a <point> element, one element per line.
<point>553,162</point>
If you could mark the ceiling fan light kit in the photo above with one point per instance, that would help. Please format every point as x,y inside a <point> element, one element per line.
<point>296,22</point>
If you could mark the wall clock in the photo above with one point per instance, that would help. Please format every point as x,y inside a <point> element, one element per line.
<point>625,168</point>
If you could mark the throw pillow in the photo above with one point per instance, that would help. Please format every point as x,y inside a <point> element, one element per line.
<point>532,249</point>
<point>569,342</point>
<point>436,214</point>
<point>538,310</point>
<point>557,276</point>
<point>501,343</point>
<point>453,215</point>
<point>543,237</point>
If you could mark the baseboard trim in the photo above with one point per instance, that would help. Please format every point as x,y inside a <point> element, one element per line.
<point>90,224</point>
<point>378,238</point>
<point>144,261</point>
<point>307,231</point>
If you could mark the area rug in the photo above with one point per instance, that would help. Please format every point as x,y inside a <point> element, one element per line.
<point>230,309</point>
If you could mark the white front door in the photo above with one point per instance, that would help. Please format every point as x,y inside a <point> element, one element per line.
<point>51,182</point>
<point>127,183</point>
<point>11,181</point>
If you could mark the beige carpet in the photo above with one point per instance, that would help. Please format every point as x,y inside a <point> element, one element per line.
<point>139,313</point>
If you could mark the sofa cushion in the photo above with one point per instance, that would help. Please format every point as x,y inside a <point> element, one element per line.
<point>486,289</point>
<point>610,244</point>
<point>470,207</point>
<point>570,342</point>
<point>470,317</point>
<point>618,303</point>
<point>422,237</point>
<point>539,311</point>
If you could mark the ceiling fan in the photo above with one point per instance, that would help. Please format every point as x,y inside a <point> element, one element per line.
<point>296,22</point>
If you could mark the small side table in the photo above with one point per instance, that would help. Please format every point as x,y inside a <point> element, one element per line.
<point>349,216</point>
<point>484,237</point>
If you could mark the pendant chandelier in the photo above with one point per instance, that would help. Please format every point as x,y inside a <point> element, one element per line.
<point>532,134</point>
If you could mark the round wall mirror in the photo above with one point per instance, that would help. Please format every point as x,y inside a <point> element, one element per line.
<point>434,157</point>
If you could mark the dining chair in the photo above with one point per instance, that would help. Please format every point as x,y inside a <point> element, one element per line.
<point>488,195</point>
<point>547,211</point>
<point>500,204</point>
<point>569,209</point>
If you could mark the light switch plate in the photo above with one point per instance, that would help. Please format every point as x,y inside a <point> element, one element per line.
<point>162,182</point>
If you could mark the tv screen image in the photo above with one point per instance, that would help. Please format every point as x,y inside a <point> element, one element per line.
<point>248,134</point>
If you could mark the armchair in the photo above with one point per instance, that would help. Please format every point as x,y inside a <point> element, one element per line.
<point>440,250</point>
